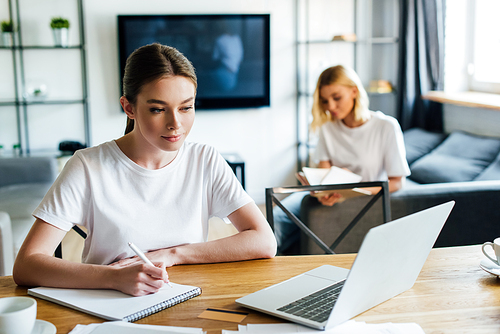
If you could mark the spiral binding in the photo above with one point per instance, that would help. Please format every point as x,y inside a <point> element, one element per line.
<point>163,305</point>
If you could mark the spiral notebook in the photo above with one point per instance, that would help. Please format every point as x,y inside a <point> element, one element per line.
<point>115,305</point>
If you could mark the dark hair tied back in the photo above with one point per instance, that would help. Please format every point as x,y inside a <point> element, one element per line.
<point>149,63</point>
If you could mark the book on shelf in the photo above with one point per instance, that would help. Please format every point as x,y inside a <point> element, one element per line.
<point>333,175</point>
<point>351,37</point>
<point>116,305</point>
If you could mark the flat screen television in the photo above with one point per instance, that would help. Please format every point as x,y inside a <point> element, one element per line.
<point>229,52</point>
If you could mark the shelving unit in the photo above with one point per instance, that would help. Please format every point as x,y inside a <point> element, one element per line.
<point>36,61</point>
<point>373,54</point>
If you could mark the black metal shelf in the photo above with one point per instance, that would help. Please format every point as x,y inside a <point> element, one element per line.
<point>358,41</point>
<point>7,103</point>
<point>306,94</point>
<point>21,103</point>
<point>326,41</point>
<point>373,40</point>
<point>381,93</point>
<point>42,47</point>
<point>41,102</point>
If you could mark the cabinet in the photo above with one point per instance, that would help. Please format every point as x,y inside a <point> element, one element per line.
<point>38,122</point>
<point>373,53</point>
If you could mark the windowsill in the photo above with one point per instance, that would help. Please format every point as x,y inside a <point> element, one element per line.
<point>466,99</point>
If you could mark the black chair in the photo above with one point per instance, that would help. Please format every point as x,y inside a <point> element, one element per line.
<point>383,194</point>
<point>58,251</point>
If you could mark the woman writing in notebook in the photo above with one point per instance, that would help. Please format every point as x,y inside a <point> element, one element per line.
<point>149,187</point>
<point>367,143</point>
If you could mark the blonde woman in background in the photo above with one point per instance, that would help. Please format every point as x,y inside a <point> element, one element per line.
<point>367,143</point>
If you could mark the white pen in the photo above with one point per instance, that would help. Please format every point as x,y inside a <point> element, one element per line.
<point>143,257</point>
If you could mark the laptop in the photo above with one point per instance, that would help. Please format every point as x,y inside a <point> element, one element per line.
<point>388,263</point>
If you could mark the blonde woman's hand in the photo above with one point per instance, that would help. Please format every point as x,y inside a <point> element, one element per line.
<point>330,199</point>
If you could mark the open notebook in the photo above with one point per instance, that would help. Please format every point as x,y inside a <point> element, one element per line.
<point>115,305</point>
<point>332,175</point>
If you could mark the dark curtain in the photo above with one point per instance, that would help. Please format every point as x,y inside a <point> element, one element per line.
<point>421,63</point>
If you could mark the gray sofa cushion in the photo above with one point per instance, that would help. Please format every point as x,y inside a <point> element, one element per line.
<point>461,157</point>
<point>27,170</point>
<point>492,172</point>
<point>419,142</point>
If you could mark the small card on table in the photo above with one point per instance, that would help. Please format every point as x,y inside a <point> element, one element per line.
<point>222,314</point>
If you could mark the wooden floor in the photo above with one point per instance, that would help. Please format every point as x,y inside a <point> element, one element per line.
<point>73,243</point>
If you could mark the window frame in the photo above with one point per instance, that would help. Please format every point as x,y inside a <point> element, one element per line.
<point>473,83</point>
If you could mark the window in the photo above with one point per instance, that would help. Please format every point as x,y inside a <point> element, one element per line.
<point>485,68</point>
<point>472,46</point>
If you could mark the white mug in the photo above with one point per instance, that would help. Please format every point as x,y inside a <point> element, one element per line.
<point>496,247</point>
<point>17,315</point>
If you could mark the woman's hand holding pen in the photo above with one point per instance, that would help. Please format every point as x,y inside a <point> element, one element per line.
<point>163,256</point>
<point>148,277</point>
<point>139,279</point>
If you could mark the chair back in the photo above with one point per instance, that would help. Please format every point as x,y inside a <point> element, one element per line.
<point>383,193</point>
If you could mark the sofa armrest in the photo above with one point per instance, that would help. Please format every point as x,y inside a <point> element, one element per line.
<point>474,219</point>
<point>27,170</point>
<point>6,246</point>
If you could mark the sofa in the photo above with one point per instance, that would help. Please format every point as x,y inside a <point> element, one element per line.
<point>458,166</point>
<point>23,184</point>
<point>6,245</point>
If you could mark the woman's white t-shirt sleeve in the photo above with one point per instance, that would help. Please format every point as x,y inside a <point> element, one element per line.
<point>227,193</point>
<point>68,197</point>
<point>395,153</point>
<point>321,152</point>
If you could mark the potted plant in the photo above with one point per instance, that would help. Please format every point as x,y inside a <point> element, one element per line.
<point>60,27</point>
<point>7,28</point>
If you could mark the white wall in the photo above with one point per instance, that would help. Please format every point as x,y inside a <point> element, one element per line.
<point>264,137</point>
<point>479,121</point>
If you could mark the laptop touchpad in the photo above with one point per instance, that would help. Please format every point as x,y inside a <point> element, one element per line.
<point>297,287</point>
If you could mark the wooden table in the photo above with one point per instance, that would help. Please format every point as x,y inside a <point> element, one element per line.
<point>451,295</point>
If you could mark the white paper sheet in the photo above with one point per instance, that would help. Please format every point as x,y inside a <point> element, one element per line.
<point>121,327</point>
<point>349,327</point>
<point>333,175</point>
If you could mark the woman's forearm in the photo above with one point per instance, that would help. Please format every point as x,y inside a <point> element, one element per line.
<point>254,240</point>
<point>44,270</point>
<point>324,164</point>
<point>396,183</point>
<point>35,266</point>
<point>245,245</point>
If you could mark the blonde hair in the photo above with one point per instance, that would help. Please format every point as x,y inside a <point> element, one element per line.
<point>344,76</point>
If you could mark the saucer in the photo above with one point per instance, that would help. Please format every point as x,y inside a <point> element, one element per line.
<point>490,267</point>
<point>43,327</point>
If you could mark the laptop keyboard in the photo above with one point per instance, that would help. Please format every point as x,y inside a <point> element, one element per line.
<point>316,306</point>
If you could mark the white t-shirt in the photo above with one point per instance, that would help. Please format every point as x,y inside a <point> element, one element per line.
<point>374,150</point>
<point>119,202</point>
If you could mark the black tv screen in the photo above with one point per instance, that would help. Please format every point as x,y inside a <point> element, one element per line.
<point>229,52</point>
